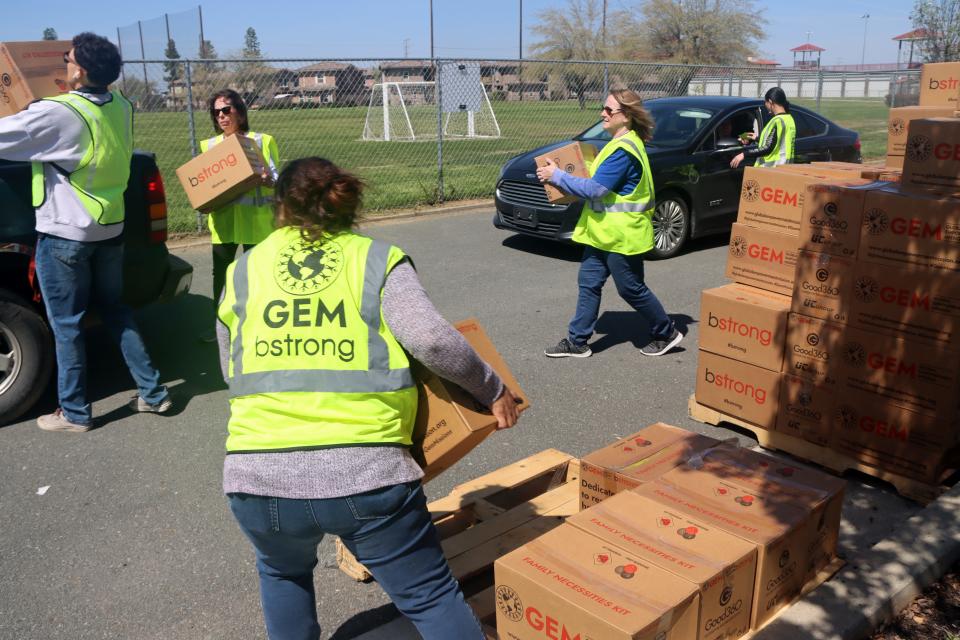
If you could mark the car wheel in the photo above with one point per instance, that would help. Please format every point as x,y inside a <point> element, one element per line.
<point>671,226</point>
<point>26,356</point>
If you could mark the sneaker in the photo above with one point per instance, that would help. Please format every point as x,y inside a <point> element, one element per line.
<point>56,421</point>
<point>566,349</point>
<point>660,347</point>
<point>140,405</point>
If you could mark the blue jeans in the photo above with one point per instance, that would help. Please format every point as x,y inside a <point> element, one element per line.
<point>72,276</point>
<point>389,530</point>
<point>627,271</point>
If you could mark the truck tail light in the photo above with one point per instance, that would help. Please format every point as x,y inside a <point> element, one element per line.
<point>156,205</point>
<point>856,144</point>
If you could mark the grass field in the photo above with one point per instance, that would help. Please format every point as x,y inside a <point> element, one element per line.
<point>404,174</point>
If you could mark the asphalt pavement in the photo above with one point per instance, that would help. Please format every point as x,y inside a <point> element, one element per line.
<point>123,532</point>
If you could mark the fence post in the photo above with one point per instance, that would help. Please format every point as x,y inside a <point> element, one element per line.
<point>740,86</point>
<point>843,84</point>
<point>819,87</point>
<point>866,85</point>
<point>437,85</point>
<point>800,86</point>
<point>194,149</point>
<point>730,84</point>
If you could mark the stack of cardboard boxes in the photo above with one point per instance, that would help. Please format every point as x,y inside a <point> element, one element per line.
<point>679,537</point>
<point>854,345</point>
<point>939,90</point>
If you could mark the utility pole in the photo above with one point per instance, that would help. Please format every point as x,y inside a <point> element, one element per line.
<point>863,53</point>
<point>406,47</point>
<point>431,30</point>
<point>603,40</point>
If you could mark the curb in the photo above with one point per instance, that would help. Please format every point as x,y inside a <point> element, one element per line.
<point>877,583</point>
<point>194,240</point>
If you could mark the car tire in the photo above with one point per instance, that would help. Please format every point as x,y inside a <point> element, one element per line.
<point>671,226</point>
<point>26,356</point>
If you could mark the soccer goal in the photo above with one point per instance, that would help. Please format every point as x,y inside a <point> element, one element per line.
<point>408,110</point>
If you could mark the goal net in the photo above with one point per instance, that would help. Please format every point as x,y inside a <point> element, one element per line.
<point>408,111</point>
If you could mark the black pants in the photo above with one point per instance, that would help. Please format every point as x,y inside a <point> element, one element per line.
<point>223,255</point>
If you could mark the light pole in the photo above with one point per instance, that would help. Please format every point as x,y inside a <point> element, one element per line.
<point>863,54</point>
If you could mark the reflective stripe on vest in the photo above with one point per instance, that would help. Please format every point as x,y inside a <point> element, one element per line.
<point>620,223</point>
<point>100,178</point>
<point>786,137</point>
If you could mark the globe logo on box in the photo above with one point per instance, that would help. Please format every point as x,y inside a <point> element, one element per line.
<point>919,148</point>
<point>876,221</point>
<point>509,603</point>
<point>751,191</point>
<point>866,289</point>
<point>854,354</point>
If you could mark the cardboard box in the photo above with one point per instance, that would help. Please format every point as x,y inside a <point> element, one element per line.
<point>900,227</point>
<point>895,162</point>
<point>574,158</point>
<point>30,71</point>
<point>222,173</point>
<point>812,345</point>
<point>772,198</point>
<point>722,566</point>
<point>636,459</point>
<point>450,423</point>
<point>829,170</point>
<point>940,84</point>
<point>932,158</point>
<point>783,528</point>
<point>744,323</point>
<point>885,436</point>
<point>822,286</point>
<point>762,259</point>
<point>832,216</point>
<point>898,123</point>
<point>806,409</point>
<point>738,389</point>
<point>570,584</point>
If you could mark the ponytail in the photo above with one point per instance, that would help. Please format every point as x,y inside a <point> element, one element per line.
<point>777,96</point>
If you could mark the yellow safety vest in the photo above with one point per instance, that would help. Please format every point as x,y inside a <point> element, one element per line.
<point>100,178</point>
<point>786,137</point>
<point>249,218</point>
<point>616,223</point>
<point>312,363</point>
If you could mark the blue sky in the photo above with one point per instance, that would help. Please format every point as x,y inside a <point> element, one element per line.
<point>389,28</point>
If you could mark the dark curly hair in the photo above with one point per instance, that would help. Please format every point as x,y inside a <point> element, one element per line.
<point>239,108</point>
<point>318,197</point>
<point>99,57</point>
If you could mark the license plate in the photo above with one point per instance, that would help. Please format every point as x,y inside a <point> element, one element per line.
<point>525,217</point>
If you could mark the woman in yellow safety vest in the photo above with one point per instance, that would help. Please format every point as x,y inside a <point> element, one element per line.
<point>317,327</point>
<point>616,227</point>
<point>778,138</point>
<point>248,219</point>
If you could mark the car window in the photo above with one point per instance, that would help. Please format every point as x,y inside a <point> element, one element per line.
<point>733,126</point>
<point>808,125</point>
<point>673,125</point>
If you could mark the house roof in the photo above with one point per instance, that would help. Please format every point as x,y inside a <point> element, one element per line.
<point>323,66</point>
<point>406,64</point>
<point>808,47</point>
<point>762,62</point>
<point>916,34</point>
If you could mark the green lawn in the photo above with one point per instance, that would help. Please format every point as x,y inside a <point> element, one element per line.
<point>404,174</point>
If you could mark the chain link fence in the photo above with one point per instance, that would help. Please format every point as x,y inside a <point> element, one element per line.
<point>420,132</point>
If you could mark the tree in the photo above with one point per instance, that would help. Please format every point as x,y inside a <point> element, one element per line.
<point>251,44</point>
<point>941,20</point>
<point>50,34</point>
<point>207,51</point>
<point>142,94</point>
<point>173,71</point>
<point>722,32</point>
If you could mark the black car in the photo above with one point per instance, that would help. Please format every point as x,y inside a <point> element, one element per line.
<point>697,192</point>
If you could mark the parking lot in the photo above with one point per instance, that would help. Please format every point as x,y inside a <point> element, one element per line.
<point>123,532</point>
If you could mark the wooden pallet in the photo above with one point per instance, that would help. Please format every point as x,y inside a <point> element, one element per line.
<point>909,488</point>
<point>485,518</point>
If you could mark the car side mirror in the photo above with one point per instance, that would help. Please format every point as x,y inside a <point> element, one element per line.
<point>725,144</point>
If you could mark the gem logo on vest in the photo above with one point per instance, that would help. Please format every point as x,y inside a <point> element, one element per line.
<point>303,267</point>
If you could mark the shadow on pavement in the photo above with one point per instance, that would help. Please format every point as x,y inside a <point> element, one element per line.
<point>618,327</point>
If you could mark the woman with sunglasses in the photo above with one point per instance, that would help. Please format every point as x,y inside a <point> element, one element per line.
<point>616,227</point>
<point>248,219</point>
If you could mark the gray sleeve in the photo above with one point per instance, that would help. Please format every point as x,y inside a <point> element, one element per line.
<point>45,131</point>
<point>431,340</point>
<point>223,339</point>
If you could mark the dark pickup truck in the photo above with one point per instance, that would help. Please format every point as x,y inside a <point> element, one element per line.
<point>151,274</point>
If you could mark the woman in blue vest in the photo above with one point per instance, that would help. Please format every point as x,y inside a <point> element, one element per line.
<point>778,137</point>
<point>317,322</point>
<point>616,228</point>
<point>248,219</point>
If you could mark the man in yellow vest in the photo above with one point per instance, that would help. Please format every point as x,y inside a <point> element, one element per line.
<point>81,144</point>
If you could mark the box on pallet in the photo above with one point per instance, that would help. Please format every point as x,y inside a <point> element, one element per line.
<point>822,285</point>
<point>932,158</point>
<point>940,84</point>
<point>921,229</point>
<point>898,125</point>
<point>574,158</point>
<point>744,323</point>
<point>570,584</point>
<point>827,170</point>
<point>888,437</point>
<point>222,173</point>
<point>922,378</point>
<point>30,71</point>
<point>638,458</point>
<point>806,409</point>
<point>786,527</point>
<point>738,389</point>
<point>762,258</point>
<point>772,198</point>
<point>721,565</point>
<point>450,423</point>
<point>832,216</point>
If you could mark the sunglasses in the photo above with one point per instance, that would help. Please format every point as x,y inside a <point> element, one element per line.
<point>607,110</point>
<point>224,110</point>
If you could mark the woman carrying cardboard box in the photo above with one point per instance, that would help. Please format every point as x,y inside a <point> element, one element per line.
<point>248,219</point>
